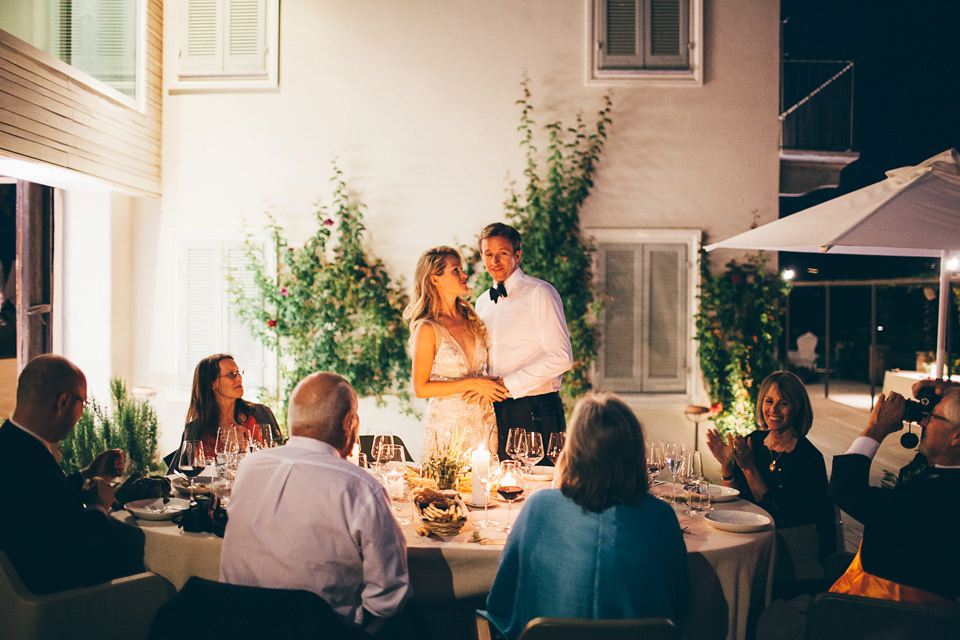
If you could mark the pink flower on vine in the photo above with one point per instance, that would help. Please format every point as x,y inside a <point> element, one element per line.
<point>271,323</point>
<point>328,222</point>
<point>284,291</point>
<point>735,279</point>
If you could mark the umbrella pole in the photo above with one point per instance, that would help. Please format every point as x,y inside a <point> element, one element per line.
<point>942,323</point>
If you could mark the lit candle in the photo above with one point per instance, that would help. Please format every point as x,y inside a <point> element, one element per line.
<point>481,469</point>
<point>354,456</point>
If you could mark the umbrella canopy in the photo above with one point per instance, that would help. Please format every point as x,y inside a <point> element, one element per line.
<point>915,211</point>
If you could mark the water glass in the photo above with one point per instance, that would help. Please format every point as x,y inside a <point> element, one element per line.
<point>698,497</point>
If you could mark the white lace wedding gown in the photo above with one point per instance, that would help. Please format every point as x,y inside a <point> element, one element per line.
<point>451,419</point>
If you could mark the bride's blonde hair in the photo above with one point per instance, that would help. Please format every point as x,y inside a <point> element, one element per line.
<point>426,299</point>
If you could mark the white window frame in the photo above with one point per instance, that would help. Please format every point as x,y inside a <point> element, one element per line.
<point>261,361</point>
<point>690,77</point>
<point>691,239</point>
<point>219,73</point>
<point>136,102</point>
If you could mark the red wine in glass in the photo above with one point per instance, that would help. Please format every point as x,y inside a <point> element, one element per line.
<point>192,471</point>
<point>510,492</point>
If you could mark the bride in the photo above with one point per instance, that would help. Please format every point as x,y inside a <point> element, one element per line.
<point>450,357</point>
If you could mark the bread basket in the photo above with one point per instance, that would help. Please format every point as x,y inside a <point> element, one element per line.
<point>441,515</point>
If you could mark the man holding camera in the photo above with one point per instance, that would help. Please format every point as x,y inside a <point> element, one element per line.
<point>909,550</point>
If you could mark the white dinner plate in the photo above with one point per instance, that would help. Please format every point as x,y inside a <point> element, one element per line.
<point>155,509</point>
<point>540,474</point>
<point>726,493</point>
<point>736,521</point>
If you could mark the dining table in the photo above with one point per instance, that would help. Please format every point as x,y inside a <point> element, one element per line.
<point>730,573</point>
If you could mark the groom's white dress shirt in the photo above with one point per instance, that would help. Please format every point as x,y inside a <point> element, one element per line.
<point>529,342</point>
<point>301,517</point>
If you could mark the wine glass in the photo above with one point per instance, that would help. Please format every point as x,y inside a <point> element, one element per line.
<point>673,454</point>
<point>488,480</point>
<point>517,443</point>
<point>380,438</point>
<point>266,435</point>
<point>534,449</point>
<point>510,487</point>
<point>192,462</point>
<point>555,445</point>
<point>656,460</point>
<point>392,471</point>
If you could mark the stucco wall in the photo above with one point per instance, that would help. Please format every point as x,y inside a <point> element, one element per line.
<point>416,100</point>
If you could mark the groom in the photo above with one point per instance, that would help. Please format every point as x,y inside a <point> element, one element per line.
<point>529,342</point>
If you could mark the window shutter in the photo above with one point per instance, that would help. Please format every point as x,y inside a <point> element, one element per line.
<point>619,32</point>
<point>620,314</point>
<point>201,33</point>
<point>666,34</point>
<point>246,45</point>
<point>200,291</point>
<point>664,302</point>
<point>645,341</point>
<point>246,349</point>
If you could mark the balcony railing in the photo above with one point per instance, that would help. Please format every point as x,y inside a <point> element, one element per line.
<point>816,105</point>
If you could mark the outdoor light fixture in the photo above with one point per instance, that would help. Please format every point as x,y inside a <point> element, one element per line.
<point>788,274</point>
<point>953,264</point>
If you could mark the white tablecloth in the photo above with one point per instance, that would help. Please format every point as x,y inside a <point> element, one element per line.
<point>730,573</point>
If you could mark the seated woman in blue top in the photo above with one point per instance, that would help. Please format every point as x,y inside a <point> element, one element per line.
<point>600,546</point>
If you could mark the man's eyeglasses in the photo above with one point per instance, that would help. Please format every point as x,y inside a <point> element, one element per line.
<point>78,397</point>
<point>233,375</point>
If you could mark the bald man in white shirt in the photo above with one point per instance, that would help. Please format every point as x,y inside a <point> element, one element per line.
<point>529,342</point>
<point>303,517</point>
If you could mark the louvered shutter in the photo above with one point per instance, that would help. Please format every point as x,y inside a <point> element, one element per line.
<point>201,37</point>
<point>246,46</point>
<point>664,334</point>
<point>246,349</point>
<point>645,337</point>
<point>200,306</point>
<point>209,322</point>
<point>618,29</point>
<point>666,34</point>
<point>642,34</point>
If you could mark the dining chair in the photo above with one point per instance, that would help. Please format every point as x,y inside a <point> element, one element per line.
<point>544,628</point>
<point>120,609</point>
<point>366,444</point>
<point>836,616</point>
<point>256,613</point>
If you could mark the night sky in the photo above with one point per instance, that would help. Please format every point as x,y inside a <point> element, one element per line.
<point>906,101</point>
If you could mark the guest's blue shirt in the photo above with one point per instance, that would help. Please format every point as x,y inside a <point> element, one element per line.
<point>562,561</point>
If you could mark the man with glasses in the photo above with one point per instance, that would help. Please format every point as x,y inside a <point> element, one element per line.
<point>909,550</point>
<point>55,529</point>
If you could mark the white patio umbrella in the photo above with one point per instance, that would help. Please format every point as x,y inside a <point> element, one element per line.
<point>915,211</point>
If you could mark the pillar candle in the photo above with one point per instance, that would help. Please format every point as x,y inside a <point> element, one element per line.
<point>480,469</point>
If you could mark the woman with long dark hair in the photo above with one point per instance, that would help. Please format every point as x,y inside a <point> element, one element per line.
<point>217,405</point>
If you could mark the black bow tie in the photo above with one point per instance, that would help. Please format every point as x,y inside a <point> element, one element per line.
<point>497,291</point>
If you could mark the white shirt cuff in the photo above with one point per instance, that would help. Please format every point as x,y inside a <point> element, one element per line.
<point>864,446</point>
<point>97,507</point>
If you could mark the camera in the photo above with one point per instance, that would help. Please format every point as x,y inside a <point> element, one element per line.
<point>917,410</point>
